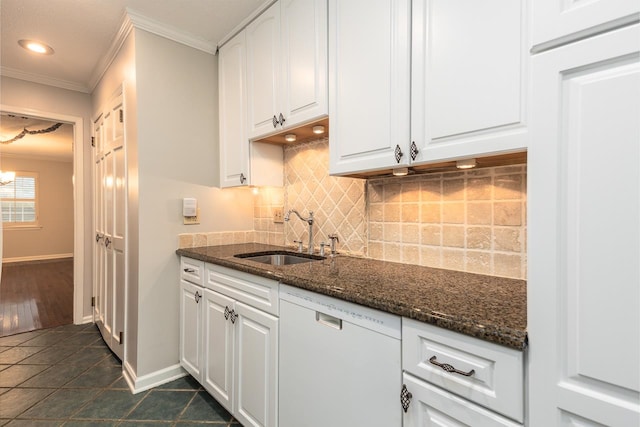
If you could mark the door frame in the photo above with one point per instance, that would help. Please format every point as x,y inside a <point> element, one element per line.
<point>78,200</point>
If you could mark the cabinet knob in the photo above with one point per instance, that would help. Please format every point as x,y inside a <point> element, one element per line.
<point>405,398</point>
<point>227,312</point>
<point>197,297</point>
<point>413,150</point>
<point>398,154</point>
<point>107,242</point>
<point>281,120</point>
<point>243,178</point>
<point>189,270</point>
<point>233,316</point>
<point>99,237</point>
<point>274,121</point>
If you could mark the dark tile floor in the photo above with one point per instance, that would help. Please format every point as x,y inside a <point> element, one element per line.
<point>66,376</point>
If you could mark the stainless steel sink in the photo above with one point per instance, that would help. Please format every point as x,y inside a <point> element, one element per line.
<point>279,257</point>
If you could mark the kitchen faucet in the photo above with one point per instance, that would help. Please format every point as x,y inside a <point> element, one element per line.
<point>308,221</point>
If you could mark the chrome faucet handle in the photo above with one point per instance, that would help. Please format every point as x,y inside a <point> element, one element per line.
<point>322,245</point>
<point>334,239</point>
<point>299,242</point>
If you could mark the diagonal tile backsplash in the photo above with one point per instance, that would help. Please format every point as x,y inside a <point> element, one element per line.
<point>338,203</point>
<point>472,221</point>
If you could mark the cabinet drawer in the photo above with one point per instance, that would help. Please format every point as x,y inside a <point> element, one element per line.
<point>192,270</point>
<point>496,376</point>
<point>431,406</point>
<point>256,291</point>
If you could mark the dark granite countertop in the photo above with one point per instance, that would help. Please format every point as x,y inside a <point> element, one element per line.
<point>486,307</point>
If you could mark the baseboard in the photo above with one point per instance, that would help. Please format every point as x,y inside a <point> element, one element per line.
<point>86,319</point>
<point>35,258</point>
<point>154,379</point>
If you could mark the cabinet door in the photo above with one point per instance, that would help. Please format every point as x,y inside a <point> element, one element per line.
<point>369,85</point>
<point>256,374</point>
<point>584,234</point>
<point>558,22</point>
<point>304,50</point>
<point>469,78</point>
<point>218,344</point>
<point>263,72</point>
<point>234,144</point>
<point>191,328</point>
<point>433,407</point>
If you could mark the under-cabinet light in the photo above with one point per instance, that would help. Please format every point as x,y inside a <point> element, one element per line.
<point>318,130</point>
<point>466,164</point>
<point>290,137</point>
<point>400,171</point>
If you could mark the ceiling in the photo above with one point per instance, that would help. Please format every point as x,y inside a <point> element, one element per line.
<point>81,33</point>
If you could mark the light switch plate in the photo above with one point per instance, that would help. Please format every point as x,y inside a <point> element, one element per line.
<point>192,220</point>
<point>278,215</point>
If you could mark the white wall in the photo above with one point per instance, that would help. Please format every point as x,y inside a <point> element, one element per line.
<point>54,237</point>
<point>41,98</point>
<point>178,157</point>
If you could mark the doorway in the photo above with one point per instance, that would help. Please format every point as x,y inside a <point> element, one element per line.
<point>81,287</point>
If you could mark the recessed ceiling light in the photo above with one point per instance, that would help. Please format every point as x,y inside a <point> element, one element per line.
<point>36,47</point>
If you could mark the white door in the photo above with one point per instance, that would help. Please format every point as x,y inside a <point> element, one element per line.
<point>234,145</point>
<point>304,60</point>
<point>110,185</point>
<point>99,252</point>
<point>191,303</point>
<point>584,233</point>
<point>469,68</point>
<point>263,72</point>
<point>256,373</point>
<point>556,22</point>
<point>218,339</point>
<point>369,84</point>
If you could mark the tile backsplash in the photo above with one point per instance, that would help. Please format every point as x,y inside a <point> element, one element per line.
<point>472,221</point>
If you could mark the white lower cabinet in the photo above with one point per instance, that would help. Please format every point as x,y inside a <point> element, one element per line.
<point>240,359</point>
<point>229,342</point>
<point>457,380</point>
<point>433,407</point>
<point>191,328</point>
<point>229,339</point>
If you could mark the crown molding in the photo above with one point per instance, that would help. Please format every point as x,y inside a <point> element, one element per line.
<point>116,44</point>
<point>45,80</point>
<point>144,23</point>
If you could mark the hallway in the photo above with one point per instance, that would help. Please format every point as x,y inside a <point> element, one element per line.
<point>36,295</point>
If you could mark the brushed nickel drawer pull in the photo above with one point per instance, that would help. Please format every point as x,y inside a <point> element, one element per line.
<point>450,368</point>
<point>189,270</point>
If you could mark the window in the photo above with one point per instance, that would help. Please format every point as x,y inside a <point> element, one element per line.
<point>19,200</point>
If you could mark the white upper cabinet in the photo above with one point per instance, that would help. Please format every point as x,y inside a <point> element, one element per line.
<point>369,65</point>
<point>304,87</point>
<point>422,81</point>
<point>241,163</point>
<point>558,22</point>
<point>287,66</point>
<point>469,78</point>
<point>234,145</point>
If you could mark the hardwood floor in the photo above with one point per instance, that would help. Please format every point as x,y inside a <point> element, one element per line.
<point>35,295</point>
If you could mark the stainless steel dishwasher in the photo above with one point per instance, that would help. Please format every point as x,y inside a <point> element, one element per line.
<point>340,363</point>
